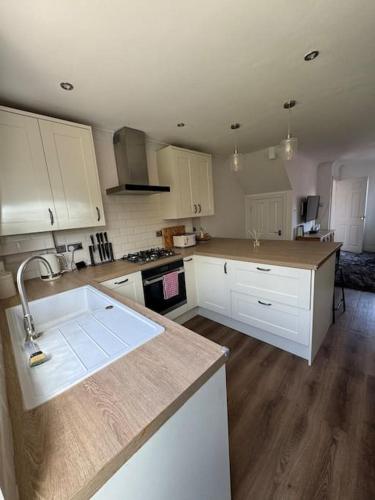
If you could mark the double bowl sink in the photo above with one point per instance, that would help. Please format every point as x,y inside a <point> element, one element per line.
<point>83,330</point>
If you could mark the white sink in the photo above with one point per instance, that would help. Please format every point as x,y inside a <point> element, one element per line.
<point>84,330</point>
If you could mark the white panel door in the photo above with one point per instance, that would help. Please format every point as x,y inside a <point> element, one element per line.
<point>348,212</point>
<point>212,284</point>
<point>73,174</point>
<point>26,203</point>
<point>266,214</point>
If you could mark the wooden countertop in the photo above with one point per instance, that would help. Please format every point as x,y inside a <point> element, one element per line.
<point>300,254</point>
<point>71,445</point>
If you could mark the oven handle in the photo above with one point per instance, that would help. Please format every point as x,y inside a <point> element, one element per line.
<point>155,280</point>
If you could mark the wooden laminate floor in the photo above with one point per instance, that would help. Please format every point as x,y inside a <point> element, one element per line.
<point>300,432</point>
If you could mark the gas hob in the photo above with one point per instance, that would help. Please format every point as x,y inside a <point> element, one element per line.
<point>151,255</point>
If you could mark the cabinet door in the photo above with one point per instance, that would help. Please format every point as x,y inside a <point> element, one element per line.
<point>190,280</point>
<point>129,286</point>
<point>212,284</point>
<point>73,174</point>
<point>26,202</point>
<point>201,184</point>
<point>182,164</point>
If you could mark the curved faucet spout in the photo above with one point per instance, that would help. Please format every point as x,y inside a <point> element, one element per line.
<point>27,317</point>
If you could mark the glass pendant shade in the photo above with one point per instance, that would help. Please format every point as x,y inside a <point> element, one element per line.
<point>236,161</point>
<point>289,147</point>
<point>290,144</point>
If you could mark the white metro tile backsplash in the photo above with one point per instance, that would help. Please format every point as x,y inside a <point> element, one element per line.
<point>131,221</point>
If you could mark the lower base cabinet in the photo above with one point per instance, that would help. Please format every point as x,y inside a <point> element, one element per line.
<point>286,307</point>
<point>129,286</point>
<point>186,459</point>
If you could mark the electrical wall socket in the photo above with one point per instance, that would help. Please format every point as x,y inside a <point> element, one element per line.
<point>74,246</point>
<point>60,248</point>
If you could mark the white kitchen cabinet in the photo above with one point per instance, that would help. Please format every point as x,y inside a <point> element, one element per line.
<point>129,286</point>
<point>287,307</point>
<point>279,319</point>
<point>189,175</point>
<point>26,201</point>
<point>212,284</point>
<point>48,173</point>
<point>73,174</point>
<point>286,285</point>
<point>190,281</point>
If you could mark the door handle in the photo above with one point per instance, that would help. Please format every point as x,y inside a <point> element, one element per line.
<point>188,260</point>
<point>264,303</point>
<point>98,213</point>
<point>195,208</point>
<point>363,217</point>
<point>225,268</point>
<point>51,217</point>
<point>200,208</point>
<point>263,269</point>
<point>121,282</point>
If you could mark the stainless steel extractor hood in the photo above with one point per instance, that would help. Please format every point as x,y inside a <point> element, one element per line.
<point>130,152</point>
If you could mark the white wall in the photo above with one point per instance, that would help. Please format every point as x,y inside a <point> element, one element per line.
<point>131,221</point>
<point>364,168</point>
<point>324,190</point>
<point>303,175</point>
<point>259,175</point>
<point>229,197</point>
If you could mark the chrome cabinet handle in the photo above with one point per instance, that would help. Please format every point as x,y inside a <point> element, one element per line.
<point>51,217</point>
<point>121,282</point>
<point>200,208</point>
<point>264,303</point>
<point>225,269</point>
<point>195,208</point>
<point>98,213</point>
<point>263,269</point>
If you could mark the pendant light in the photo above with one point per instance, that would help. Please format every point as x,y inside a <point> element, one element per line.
<point>290,144</point>
<point>236,159</point>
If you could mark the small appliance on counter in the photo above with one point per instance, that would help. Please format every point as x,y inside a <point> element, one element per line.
<point>58,264</point>
<point>7,286</point>
<point>184,240</point>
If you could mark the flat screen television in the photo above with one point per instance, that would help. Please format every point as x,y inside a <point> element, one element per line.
<point>312,208</point>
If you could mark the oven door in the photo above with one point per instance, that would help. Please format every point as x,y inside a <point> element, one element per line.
<point>154,296</point>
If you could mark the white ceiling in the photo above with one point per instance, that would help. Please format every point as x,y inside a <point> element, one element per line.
<point>150,64</point>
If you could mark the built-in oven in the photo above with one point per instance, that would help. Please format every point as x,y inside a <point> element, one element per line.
<point>153,288</point>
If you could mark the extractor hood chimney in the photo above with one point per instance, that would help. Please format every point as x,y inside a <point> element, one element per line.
<point>130,152</point>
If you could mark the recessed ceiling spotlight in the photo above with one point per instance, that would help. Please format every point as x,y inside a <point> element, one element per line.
<point>181,124</point>
<point>66,86</point>
<point>310,56</point>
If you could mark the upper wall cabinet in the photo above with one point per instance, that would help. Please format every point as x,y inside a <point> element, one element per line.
<point>189,174</point>
<point>48,175</point>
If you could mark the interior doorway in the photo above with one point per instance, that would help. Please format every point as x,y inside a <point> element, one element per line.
<point>267,214</point>
<point>348,214</point>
